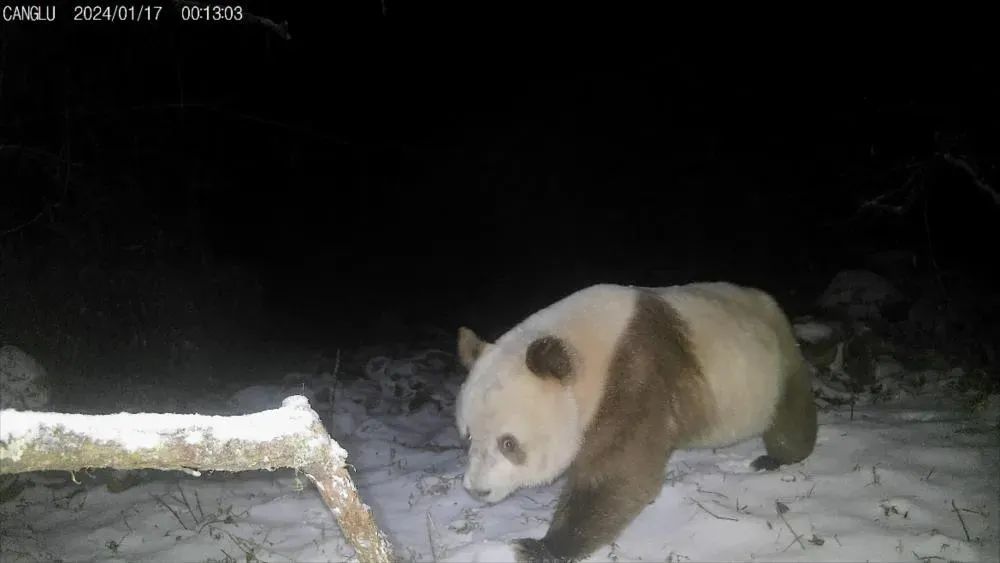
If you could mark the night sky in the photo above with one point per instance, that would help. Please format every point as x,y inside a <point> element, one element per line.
<point>382,168</point>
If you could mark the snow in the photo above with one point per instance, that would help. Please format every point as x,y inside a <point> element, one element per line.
<point>812,332</point>
<point>910,476</point>
<point>137,431</point>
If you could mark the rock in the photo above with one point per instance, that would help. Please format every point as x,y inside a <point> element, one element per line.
<point>862,295</point>
<point>24,383</point>
<point>819,340</point>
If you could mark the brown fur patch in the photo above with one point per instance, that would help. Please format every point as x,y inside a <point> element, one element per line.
<point>654,396</point>
<point>549,356</point>
<point>655,392</point>
<point>792,435</point>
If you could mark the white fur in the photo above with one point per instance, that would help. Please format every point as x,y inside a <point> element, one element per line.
<point>739,336</point>
<point>500,396</point>
<point>746,350</point>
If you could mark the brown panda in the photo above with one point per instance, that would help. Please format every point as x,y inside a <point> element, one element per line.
<point>606,383</point>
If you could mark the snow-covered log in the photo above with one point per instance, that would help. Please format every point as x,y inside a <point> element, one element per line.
<point>291,436</point>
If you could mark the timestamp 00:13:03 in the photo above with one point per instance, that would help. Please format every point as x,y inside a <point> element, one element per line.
<point>211,13</point>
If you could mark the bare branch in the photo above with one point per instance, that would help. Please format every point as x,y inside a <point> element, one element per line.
<point>910,190</point>
<point>977,179</point>
<point>961,520</point>
<point>781,509</point>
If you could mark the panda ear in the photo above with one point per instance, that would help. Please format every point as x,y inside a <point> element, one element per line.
<point>470,347</point>
<point>549,356</point>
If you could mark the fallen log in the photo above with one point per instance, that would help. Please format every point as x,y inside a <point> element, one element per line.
<point>291,436</point>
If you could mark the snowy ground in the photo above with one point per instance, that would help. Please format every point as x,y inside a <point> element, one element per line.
<point>913,477</point>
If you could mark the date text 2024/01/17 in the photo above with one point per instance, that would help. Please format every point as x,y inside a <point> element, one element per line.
<point>84,13</point>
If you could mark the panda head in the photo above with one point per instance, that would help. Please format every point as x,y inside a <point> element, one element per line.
<point>517,411</point>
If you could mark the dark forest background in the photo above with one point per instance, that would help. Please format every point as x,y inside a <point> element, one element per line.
<point>384,176</point>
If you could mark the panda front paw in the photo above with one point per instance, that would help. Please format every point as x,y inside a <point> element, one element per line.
<point>765,463</point>
<point>530,550</point>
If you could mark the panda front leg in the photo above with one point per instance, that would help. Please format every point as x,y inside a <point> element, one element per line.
<point>591,513</point>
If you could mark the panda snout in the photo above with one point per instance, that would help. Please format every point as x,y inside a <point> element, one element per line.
<point>480,494</point>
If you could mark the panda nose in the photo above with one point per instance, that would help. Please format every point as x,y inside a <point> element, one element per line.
<point>480,493</point>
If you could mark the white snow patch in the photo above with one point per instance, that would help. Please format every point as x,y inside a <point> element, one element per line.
<point>879,487</point>
<point>483,552</point>
<point>138,431</point>
<point>812,331</point>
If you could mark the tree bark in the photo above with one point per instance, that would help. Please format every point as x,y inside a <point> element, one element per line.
<point>290,436</point>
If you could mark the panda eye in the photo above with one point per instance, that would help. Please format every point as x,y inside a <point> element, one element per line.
<point>507,443</point>
<point>511,449</point>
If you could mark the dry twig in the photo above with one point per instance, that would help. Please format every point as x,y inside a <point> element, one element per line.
<point>701,506</point>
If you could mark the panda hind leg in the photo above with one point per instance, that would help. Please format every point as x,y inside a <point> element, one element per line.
<point>792,435</point>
